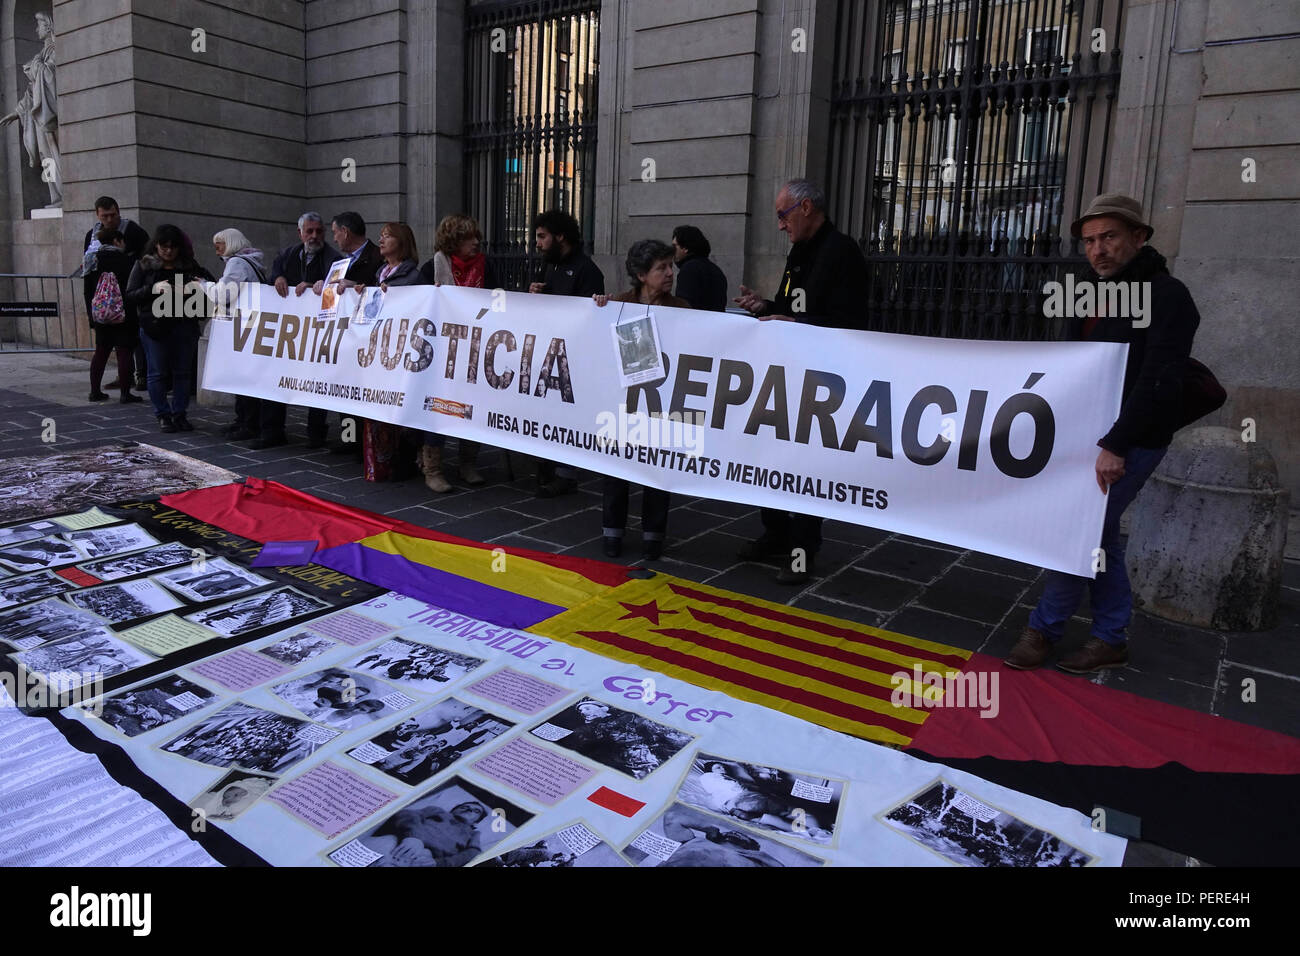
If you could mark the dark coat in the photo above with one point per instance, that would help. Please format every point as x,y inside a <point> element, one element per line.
<point>574,275</point>
<point>120,264</point>
<point>406,273</point>
<point>289,264</point>
<point>701,283</point>
<point>1157,354</point>
<point>832,272</point>
<point>139,292</point>
<point>136,241</point>
<point>366,264</point>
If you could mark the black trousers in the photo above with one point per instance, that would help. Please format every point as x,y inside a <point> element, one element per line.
<point>654,509</point>
<point>259,415</point>
<point>793,530</point>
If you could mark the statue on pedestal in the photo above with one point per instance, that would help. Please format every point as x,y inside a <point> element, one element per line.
<point>38,112</point>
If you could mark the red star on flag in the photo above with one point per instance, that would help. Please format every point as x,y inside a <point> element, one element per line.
<point>649,610</point>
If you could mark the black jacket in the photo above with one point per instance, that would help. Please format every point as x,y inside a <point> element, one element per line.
<point>832,272</point>
<point>406,273</point>
<point>120,264</point>
<point>1157,354</point>
<point>575,275</point>
<point>365,265</point>
<point>134,234</point>
<point>290,264</point>
<point>139,293</point>
<point>701,283</point>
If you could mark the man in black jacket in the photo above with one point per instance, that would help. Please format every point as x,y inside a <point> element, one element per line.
<point>110,217</point>
<point>567,270</point>
<point>1159,333</point>
<point>300,267</point>
<point>350,235</point>
<point>699,280</point>
<point>825,283</point>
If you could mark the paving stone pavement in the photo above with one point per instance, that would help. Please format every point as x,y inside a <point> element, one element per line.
<point>920,588</point>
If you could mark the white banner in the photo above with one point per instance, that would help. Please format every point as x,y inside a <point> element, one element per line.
<point>982,445</point>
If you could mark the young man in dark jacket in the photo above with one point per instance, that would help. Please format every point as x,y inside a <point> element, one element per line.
<point>699,280</point>
<point>122,338</point>
<point>1114,236</point>
<point>825,283</point>
<point>135,238</point>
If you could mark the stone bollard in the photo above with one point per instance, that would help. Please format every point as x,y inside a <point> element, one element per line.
<point>1208,534</point>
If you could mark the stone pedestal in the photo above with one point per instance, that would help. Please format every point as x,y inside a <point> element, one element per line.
<point>1206,545</point>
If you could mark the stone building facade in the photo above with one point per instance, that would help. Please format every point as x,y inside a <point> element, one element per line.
<point>212,113</point>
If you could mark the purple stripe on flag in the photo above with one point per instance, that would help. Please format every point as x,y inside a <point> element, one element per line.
<point>455,593</point>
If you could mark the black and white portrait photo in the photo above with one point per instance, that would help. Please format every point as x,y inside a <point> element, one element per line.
<point>99,542</point>
<point>764,797</point>
<point>341,698</point>
<point>628,742</point>
<point>298,648</point>
<point>139,562</point>
<point>49,620</point>
<point>40,553</point>
<point>210,580</point>
<point>154,704</point>
<point>257,611</point>
<point>126,601</point>
<point>969,832</point>
<point>683,836</point>
<point>447,827</point>
<point>232,795</point>
<point>32,587</point>
<point>427,743</point>
<point>639,354</point>
<point>420,666</point>
<point>251,738</point>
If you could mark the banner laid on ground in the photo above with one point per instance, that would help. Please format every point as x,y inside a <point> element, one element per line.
<point>983,445</point>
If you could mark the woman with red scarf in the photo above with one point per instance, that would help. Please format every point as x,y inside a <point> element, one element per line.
<point>458,261</point>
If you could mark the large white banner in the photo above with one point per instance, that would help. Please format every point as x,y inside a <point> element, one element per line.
<point>982,445</point>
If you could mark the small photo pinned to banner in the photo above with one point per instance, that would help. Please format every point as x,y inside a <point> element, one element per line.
<point>636,344</point>
<point>329,296</point>
<point>282,554</point>
<point>372,303</point>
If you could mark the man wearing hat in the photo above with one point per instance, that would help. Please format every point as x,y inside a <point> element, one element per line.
<point>1114,236</point>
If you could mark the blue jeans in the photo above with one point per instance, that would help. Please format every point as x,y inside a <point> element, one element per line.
<point>171,353</point>
<point>1110,593</point>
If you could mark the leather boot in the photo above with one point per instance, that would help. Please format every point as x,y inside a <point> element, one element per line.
<point>468,460</point>
<point>431,465</point>
<point>1031,650</point>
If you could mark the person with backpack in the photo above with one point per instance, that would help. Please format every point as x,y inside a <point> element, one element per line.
<point>111,319</point>
<point>162,283</point>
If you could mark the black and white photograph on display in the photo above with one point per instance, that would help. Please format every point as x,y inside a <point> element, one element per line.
<point>50,620</point>
<point>420,666</point>
<point>683,836</point>
<point>427,743</point>
<point>100,542</point>
<point>49,552</point>
<point>141,709</point>
<point>372,301</point>
<point>573,846</point>
<point>251,738</point>
<point>636,340</point>
<point>630,743</point>
<point>768,798</point>
<point>449,826</point>
<point>28,531</point>
<point>139,562</point>
<point>126,601</point>
<point>32,587</point>
<point>969,832</point>
<point>257,611</point>
<point>210,580</point>
<point>298,648</point>
<point>232,795</point>
<point>93,655</point>
<point>341,698</point>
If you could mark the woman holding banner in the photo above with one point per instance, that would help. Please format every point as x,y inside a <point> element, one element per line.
<point>650,267</point>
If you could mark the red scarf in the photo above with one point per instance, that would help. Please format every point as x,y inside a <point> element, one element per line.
<point>469,271</point>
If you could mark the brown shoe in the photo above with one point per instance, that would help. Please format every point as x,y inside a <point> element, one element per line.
<point>1030,651</point>
<point>1095,655</point>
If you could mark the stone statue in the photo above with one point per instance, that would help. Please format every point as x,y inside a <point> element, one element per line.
<point>38,112</point>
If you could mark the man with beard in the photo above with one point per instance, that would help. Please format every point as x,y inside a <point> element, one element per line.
<point>301,267</point>
<point>566,270</point>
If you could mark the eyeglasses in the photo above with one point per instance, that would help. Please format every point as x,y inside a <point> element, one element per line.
<point>782,213</point>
